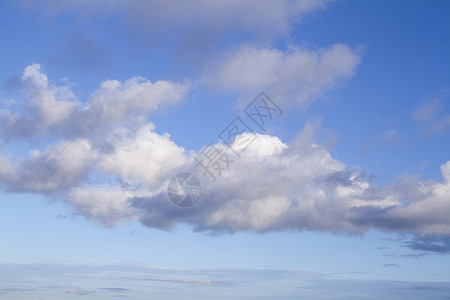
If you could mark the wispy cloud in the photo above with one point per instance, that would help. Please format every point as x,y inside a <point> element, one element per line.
<point>389,136</point>
<point>110,165</point>
<point>92,281</point>
<point>429,113</point>
<point>199,21</point>
<point>438,244</point>
<point>296,75</point>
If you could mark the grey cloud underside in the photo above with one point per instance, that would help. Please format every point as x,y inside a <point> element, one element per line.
<point>272,186</point>
<point>296,75</point>
<point>283,191</point>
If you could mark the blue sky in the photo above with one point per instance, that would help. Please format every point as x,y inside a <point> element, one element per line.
<point>346,195</point>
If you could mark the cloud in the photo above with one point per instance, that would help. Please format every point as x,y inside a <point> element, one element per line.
<point>104,205</point>
<point>115,289</point>
<point>187,32</point>
<point>143,156</point>
<point>4,291</point>
<point>299,186</point>
<point>425,214</point>
<point>52,104</point>
<point>57,168</point>
<point>431,114</point>
<point>141,159</point>
<point>46,106</point>
<point>115,101</point>
<point>117,168</point>
<point>80,292</point>
<point>200,21</point>
<point>88,143</point>
<point>298,75</point>
<point>81,51</point>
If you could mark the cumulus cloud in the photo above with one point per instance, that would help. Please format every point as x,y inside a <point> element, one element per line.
<point>189,32</point>
<point>427,214</point>
<point>428,111</point>
<point>80,292</point>
<point>297,74</point>
<point>115,101</point>
<point>58,167</point>
<point>45,108</point>
<point>299,186</point>
<point>117,169</point>
<point>274,186</point>
<point>49,109</point>
<point>87,143</point>
<point>143,156</point>
<point>105,205</point>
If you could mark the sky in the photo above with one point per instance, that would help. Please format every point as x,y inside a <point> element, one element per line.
<point>316,131</point>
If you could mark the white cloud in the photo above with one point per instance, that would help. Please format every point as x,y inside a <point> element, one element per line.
<point>143,156</point>
<point>273,185</point>
<point>53,104</point>
<point>46,106</point>
<point>106,205</point>
<point>200,20</point>
<point>49,109</point>
<point>429,214</point>
<point>7,170</point>
<point>428,111</point>
<point>114,101</point>
<point>297,75</point>
<point>88,137</point>
<point>57,168</point>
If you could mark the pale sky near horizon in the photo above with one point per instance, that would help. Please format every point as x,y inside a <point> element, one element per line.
<point>338,189</point>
